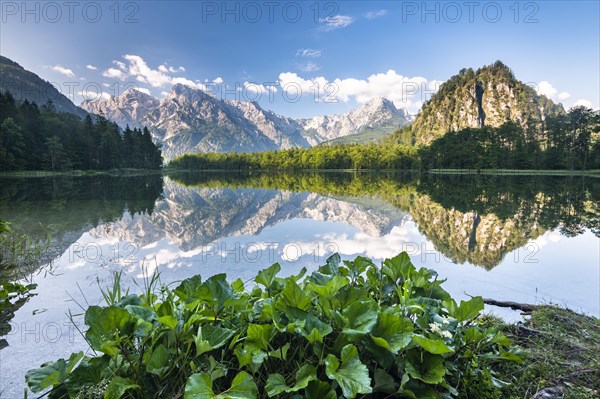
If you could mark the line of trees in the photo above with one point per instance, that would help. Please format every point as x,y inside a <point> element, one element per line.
<point>564,141</point>
<point>353,156</point>
<point>40,138</point>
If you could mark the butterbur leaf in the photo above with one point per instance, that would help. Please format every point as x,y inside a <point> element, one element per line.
<point>275,385</point>
<point>51,374</point>
<point>361,316</point>
<point>199,386</point>
<point>351,375</point>
<point>105,323</point>
<point>118,386</point>
<point>384,382</point>
<point>398,266</point>
<point>211,337</point>
<point>169,321</point>
<point>467,310</point>
<point>392,332</point>
<point>267,276</point>
<point>428,368</point>
<point>258,337</point>
<point>158,363</point>
<point>304,376</point>
<point>331,265</point>
<point>319,390</point>
<point>293,296</point>
<point>188,288</point>
<point>216,291</point>
<point>434,346</point>
<point>315,330</point>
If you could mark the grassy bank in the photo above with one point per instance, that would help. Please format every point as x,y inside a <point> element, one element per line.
<point>562,357</point>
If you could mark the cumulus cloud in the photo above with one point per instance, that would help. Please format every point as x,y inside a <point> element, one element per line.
<point>137,68</point>
<point>308,52</point>
<point>63,71</point>
<point>376,14</point>
<point>94,95</point>
<point>259,88</point>
<point>114,73</point>
<point>547,89</point>
<point>91,67</point>
<point>582,103</point>
<point>336,22</point>
<point>405,92</point>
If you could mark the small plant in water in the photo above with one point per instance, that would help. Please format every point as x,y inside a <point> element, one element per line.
<point>346,330</point>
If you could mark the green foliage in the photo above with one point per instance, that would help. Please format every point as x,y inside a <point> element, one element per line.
<point>348,329</point>
<point>353,156</point>
<point>33,138</point>
<point>570,141</point>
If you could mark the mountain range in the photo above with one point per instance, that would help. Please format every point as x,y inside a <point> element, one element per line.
<point>189,120</point>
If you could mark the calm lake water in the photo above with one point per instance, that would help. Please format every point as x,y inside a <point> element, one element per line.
<point>524,239</point>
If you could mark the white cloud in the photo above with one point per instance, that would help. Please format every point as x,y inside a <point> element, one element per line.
<point>405,92</point>
<point>308,52</point>
<point>545,88</point>
<point>336,22</point>
<point>136,67</point>
<point>114,73</point>
<point>582,103</point>
<point>143,90</point>
<point>94,95</point>
<point>376,14</point>
<point>91,67</point>
<point>259,88</point>
<point>309,67</point>
<point>63,71</point>
<point>218,80</point>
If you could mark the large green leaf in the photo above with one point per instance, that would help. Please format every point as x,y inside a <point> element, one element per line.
<point>467,310</point>
<point>216,291</point>
<point>425,366</point>
<point>361,317</point>
<point>351,375</point>
<point>158,363</point>
<point>199,386</point>
<point>188,288</point>
<point>211,337</point>
<point>331,265</point>
<point>275,385</point>
<point>258,337</point>
<point>267,276</point>
<point>434,346</point>
<point>392,332</point>
<point>398,266</point>
<point>51,374</point>
<point>105,323</point>
<point>293,296</point>
<point>319,390</point>
<point>118,386</point>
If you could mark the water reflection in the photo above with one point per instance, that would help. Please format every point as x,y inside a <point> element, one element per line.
<point>205,224</point>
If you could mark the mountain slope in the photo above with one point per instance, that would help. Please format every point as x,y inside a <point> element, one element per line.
<point>489,96</point>
<point>377,117</point>
<point>26,85</point>
<point>189,120</point>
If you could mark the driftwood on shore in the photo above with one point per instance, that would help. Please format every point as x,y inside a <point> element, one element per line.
<point>525,307</point>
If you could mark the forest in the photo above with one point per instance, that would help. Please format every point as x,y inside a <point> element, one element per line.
<point>564,141</point>
<point>40,138</point>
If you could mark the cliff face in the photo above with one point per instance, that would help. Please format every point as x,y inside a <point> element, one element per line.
<point>482,240</point>
<point>489,96</point>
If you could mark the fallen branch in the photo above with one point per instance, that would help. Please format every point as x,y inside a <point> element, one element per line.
<point>525,307</point>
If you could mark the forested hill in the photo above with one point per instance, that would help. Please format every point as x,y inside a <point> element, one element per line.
<point>25,85</point>
<point>41,138</point>
<point>490,96</point>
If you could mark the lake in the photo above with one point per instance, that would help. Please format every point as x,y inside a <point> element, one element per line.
<point>532,239</point>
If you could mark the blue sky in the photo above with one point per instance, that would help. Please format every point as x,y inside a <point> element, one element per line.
<point>304,58</point>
